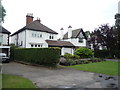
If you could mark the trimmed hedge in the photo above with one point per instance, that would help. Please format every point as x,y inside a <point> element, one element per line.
<point>107,54</point>
<point>42,56</point>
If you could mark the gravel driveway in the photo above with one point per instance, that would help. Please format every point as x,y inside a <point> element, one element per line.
<point>53,78</point>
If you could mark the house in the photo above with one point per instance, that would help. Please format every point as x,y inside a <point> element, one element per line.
<point>66,46</point>
<point>76,37</point>
<point>33,34</point>
<point>4,41</point>
<point>37,35</point>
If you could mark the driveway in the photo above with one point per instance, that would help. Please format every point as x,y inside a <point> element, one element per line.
<point>53,78</point>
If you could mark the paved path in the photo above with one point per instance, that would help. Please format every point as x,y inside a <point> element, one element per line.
<point>53,78</point>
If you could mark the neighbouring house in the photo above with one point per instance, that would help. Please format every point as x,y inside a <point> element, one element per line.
<point>4,41</point>
<point>76,37</point>
<point>37,35</point>
<point>66,46</point>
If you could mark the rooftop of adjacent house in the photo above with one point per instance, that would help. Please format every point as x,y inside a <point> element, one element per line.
<point>3,30</point>
<point>59,43</point>
<point>36,26</point>
<point>75,34</point>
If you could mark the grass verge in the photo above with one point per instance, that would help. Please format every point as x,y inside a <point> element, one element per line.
<point>106,67</point>
<point>12,81</point>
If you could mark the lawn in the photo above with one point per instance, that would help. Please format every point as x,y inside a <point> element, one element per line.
<point>12,81</point>
<point>106,67</point>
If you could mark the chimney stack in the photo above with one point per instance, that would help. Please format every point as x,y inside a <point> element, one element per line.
<point>29,18</point>
<point>69,31</point>
<point>61,33</point>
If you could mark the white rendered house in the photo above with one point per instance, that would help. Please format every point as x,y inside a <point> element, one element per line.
<point>37,35</point>
<point>4,41</point>
<point>76,37</point>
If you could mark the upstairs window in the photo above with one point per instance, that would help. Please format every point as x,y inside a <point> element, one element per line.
<point>80,40</point>
<point>40,35</point>
<point>50,37</point>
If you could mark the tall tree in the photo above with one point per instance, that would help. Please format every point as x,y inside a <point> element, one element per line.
<point>103,36</point>
<point>117,29</point>
<point>2,12</point>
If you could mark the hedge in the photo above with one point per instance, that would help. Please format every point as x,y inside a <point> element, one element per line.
<point>107,54</point>
<point>40,56</point>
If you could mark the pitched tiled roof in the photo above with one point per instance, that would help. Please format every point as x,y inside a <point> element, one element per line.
<point>59,43</point>
<point>75,34</point>
<point>3,30</point>
<point>37,26</point>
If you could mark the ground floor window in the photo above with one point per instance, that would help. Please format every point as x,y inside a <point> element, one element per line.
<point>36,45</point>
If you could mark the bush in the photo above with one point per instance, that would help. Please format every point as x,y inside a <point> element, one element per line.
<point>84,52</point>
<point>107,54</point>
<point>67,55</point>
<point>69,59</point>
<point>70,56</point>
<point>42,56</point>
<point>12,51</point>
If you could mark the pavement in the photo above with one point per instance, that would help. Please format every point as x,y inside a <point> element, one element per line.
<point>59,78</point>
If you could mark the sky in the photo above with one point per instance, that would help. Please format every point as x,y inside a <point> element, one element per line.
<point>57,14</point>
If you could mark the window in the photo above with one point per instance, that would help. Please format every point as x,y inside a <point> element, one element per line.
<point>38,45</point>
<point>40,35</point>
<point>81,40</point>
<point>32,45</point>
<point>41,45</point>
<point>21,43</point>
<point>35,45</point>
<point>50,37</point>
<point>32,34</point>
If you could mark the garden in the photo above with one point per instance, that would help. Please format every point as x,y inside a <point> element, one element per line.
<point>85,59</point>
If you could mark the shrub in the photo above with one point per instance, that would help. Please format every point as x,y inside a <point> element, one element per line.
<point>69,59</point>
<point>42,56</point>
<point>84,52</point>
<point>12,51</point>
<point>67,55</point>
<point>107,54</point>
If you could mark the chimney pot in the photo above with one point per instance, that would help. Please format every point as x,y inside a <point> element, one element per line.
<point>61,29</point>
<point>70,26</point>
<point>38,19</point>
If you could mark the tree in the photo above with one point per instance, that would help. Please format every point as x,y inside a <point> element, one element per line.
<point>2,12</point>
<point>104,37</point>
<point>117,30</point>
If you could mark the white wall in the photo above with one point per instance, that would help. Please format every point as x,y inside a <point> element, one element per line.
<point>21,39</point>
<point>33,38</point>
<point>4,38</point>
<point>67,50</point>
<point>76,42</point>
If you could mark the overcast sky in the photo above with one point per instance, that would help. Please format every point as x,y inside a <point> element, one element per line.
<point>55,14</point>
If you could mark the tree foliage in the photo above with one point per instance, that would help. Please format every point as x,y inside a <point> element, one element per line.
<point>84,52</point>
<point>2,12</point>
<point>104,37</point>
<point>117,30</point>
